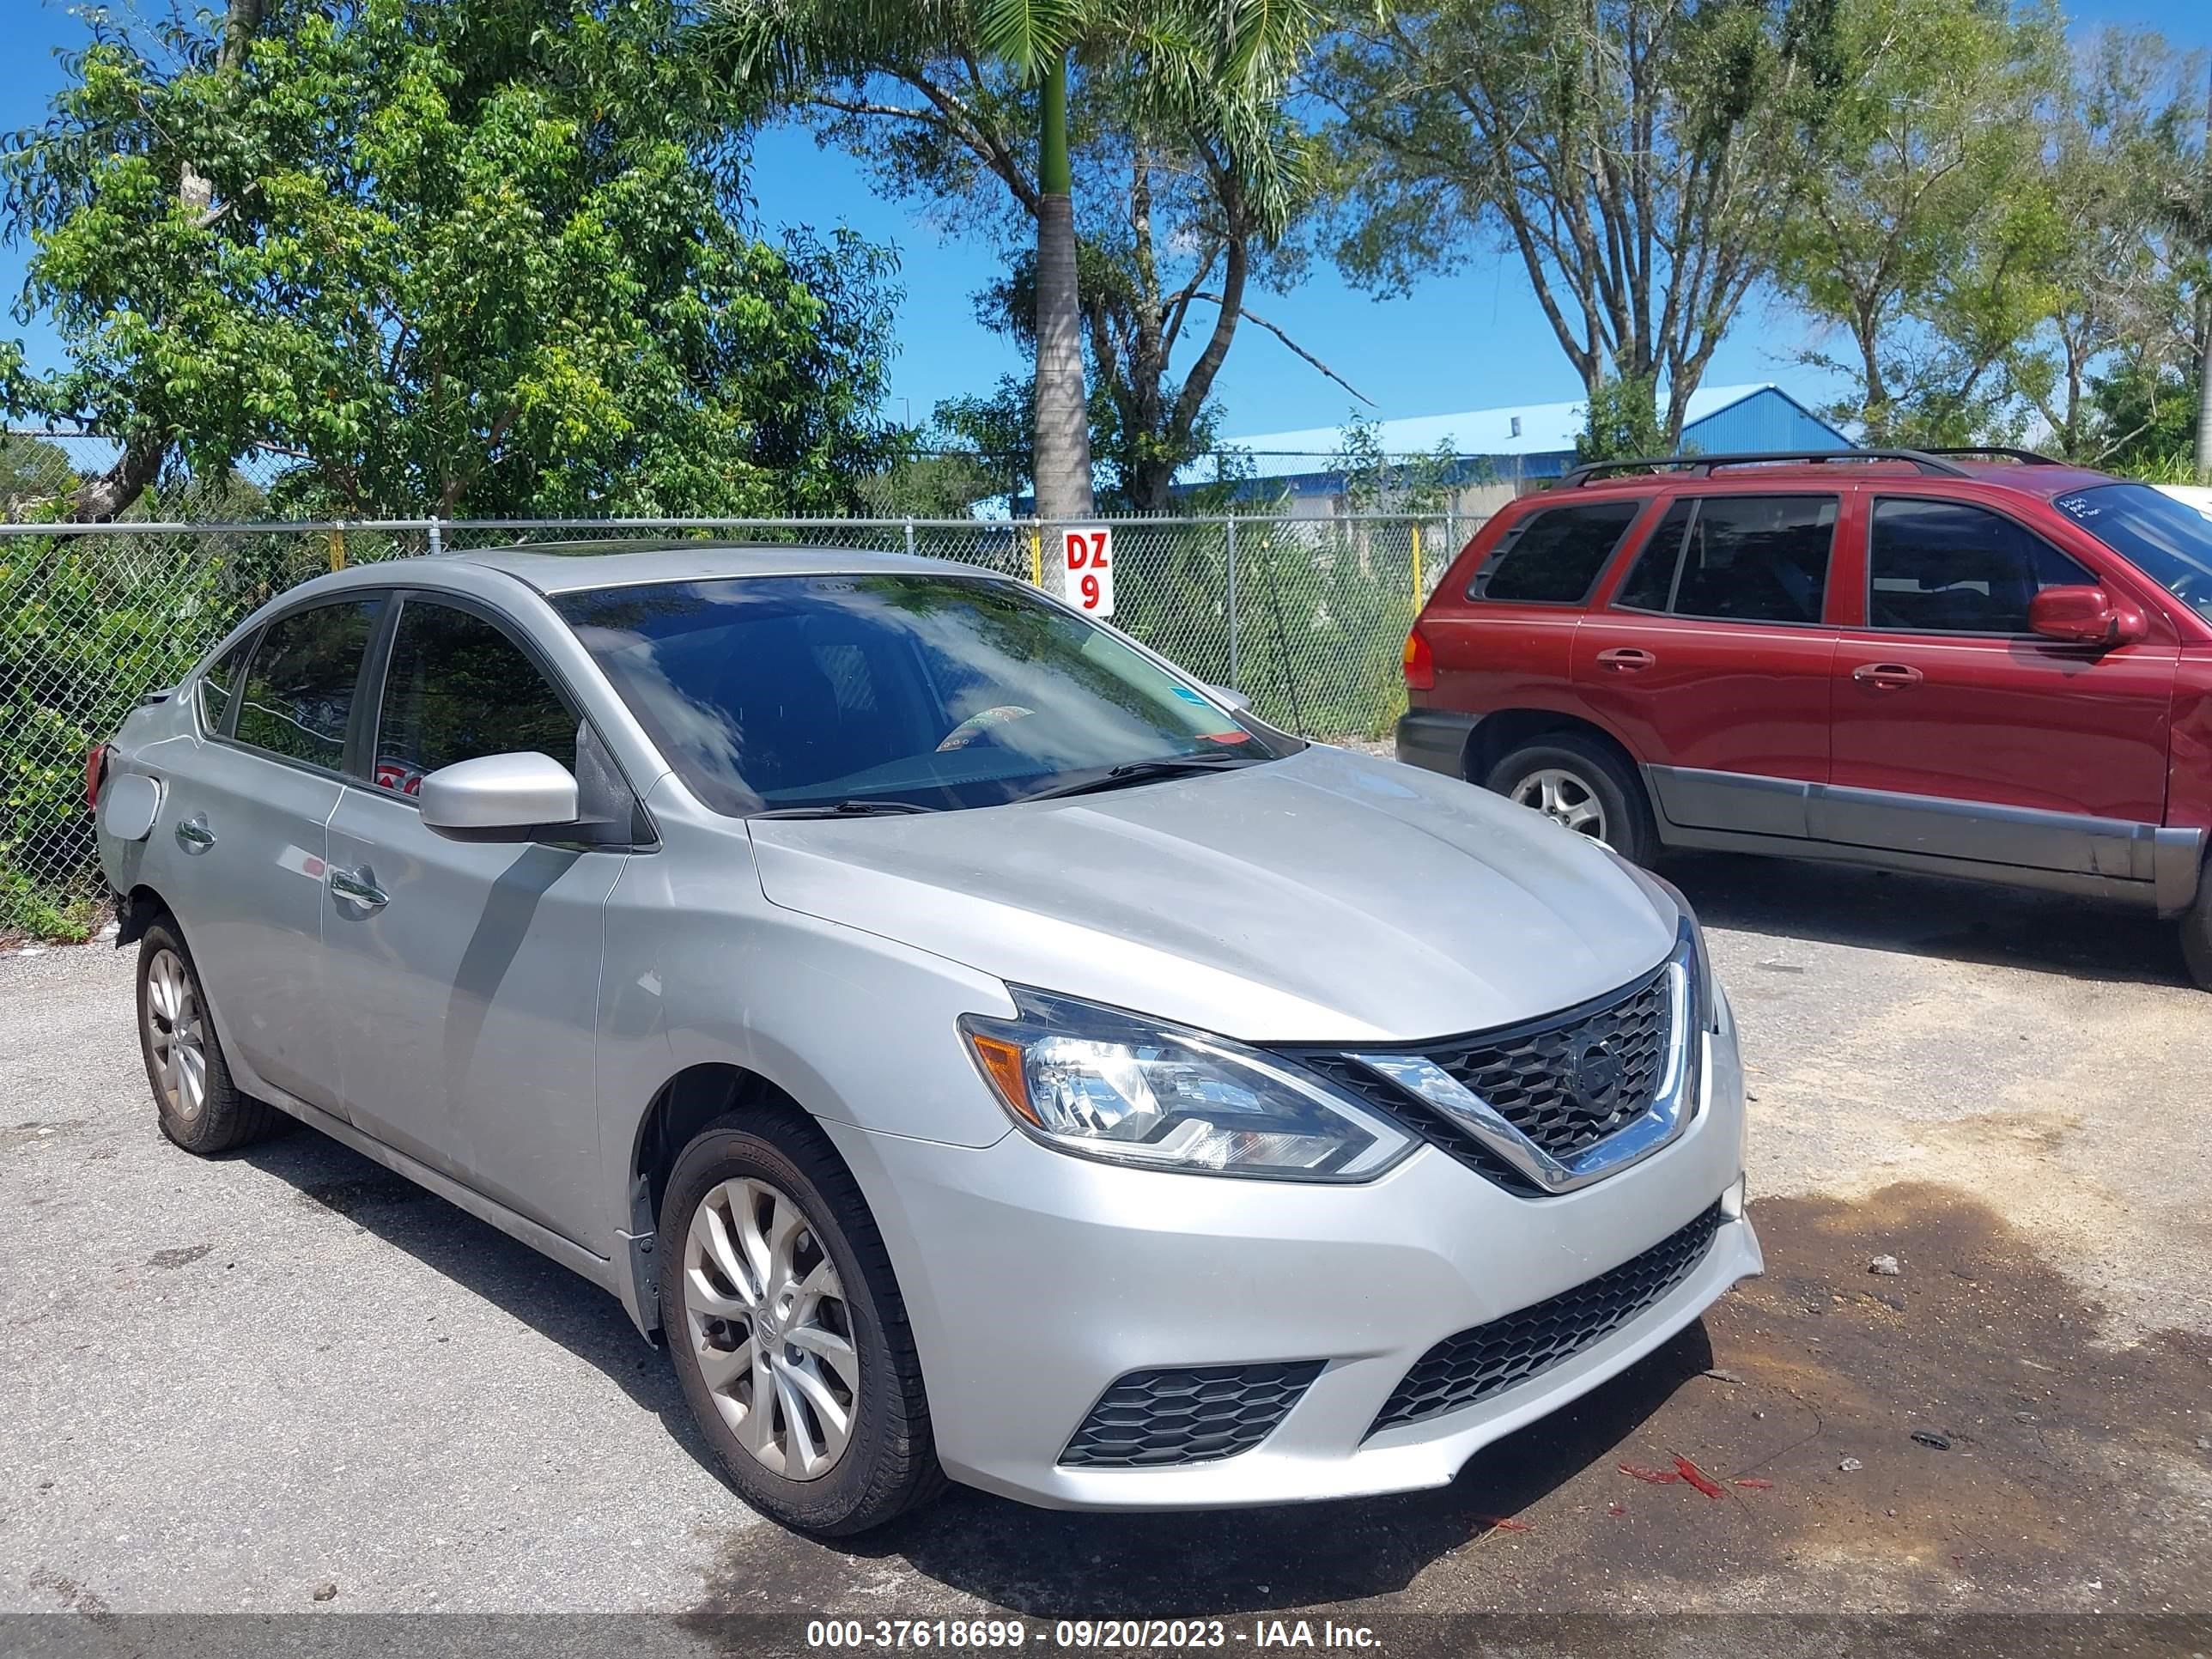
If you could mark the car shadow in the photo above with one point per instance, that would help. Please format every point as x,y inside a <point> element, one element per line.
<point>477,1257</point>
<point>1051,1565</point>
<point>1009,1554</point>
<point>1930,916</point>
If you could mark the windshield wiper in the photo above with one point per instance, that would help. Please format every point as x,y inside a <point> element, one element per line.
<point>1164,766</point>
<point>848,809</point>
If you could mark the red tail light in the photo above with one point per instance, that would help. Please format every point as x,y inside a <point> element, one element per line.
<point>1420,664</point>
<point>95,774</point>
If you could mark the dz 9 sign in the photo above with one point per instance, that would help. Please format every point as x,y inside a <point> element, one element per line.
<point>1087,569</point>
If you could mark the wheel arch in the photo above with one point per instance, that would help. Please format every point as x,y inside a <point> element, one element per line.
<point>138,910</point>
<point>706,1093</point>
<point>1498,735</point>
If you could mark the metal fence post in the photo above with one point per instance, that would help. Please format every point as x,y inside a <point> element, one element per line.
<point>909,539</point>
<point>437,538</point>
<point>1233,605</point>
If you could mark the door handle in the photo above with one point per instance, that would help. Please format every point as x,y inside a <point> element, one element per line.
<point>356,886</point>
<point>193,835</point>
<point>1626,659</point>
<point>1886,674</point>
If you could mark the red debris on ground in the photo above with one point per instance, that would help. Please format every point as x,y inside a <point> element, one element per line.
<point>1696,1477</point>
<point>1756,1484</point>
<point>1507,1523</point>
<point>1615,1509</point>
<point>1657,1477</point>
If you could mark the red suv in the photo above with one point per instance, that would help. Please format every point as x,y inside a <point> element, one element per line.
<point>1974,663</point>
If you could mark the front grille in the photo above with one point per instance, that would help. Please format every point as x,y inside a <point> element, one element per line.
<point>1150,1420</point>
<point>1566,1081</point>
<point>1536,1077</point>
<point>1480,1362</point>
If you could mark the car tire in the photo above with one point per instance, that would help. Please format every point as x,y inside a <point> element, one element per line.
<point>886,1461</point>
<point>200,1107</point>
<point>2197,934</point>
<point>1584,785</point>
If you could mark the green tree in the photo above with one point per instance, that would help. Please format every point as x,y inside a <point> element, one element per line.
<point>947,95</point>
<point>2113,145</point>
<point>1634,154</point>
<point>1927,229</point>
<point>1622,423</point>
<point>487,256</point>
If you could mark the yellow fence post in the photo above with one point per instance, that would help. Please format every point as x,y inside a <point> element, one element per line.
<point>1417,570</point>
<point>337,549</point>
<point>1036,557</point>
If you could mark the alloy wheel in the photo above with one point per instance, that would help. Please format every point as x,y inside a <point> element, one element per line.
<point>176,1034</point>
<point>767,1319</point>
<point>1564,797</point>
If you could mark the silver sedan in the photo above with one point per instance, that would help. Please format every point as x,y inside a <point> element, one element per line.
<point>973,1047</point>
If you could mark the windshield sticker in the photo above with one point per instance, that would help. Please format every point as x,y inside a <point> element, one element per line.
<point>1189,695</point>
<point>2079,506</point>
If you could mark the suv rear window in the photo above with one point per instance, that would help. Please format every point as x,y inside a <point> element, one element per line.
<point>1737,558</point>
<point>1553,557</point>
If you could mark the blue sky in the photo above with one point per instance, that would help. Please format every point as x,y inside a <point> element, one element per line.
<point>1470,339</point>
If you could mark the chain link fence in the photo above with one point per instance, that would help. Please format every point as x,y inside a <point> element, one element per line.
<point>1306,617</point>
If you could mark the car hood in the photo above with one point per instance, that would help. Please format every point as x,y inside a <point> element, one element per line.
<point>1324,897</point>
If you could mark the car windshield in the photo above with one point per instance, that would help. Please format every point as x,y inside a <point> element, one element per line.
<point>2167,540</point>
<point>849,693</point>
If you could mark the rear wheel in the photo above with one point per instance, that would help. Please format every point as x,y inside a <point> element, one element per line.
<point>787,1333</point>
<point>200,1108</point>
<point>1583,787</point>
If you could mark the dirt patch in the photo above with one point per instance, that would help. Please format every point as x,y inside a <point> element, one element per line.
<point>2073,1478</point>
<point>183,1256</point>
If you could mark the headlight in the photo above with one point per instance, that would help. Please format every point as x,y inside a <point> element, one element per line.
<point>1104,1084</point>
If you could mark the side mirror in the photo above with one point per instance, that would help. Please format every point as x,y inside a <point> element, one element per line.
<point>1231,696</point>
<point>499,797</point>
<point>2080,615</point>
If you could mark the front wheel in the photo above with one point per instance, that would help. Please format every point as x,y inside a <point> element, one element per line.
<point>787,1332</point>
<point>1582,787</point>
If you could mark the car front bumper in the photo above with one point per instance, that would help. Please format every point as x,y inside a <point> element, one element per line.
<point>1034,1280</point>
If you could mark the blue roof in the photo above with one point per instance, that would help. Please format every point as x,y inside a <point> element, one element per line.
<point>1532,429</point>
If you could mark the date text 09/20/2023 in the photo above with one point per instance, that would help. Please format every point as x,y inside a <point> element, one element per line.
<point>1086,1634</point>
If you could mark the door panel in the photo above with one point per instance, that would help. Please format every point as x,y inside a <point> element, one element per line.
<point>1985,743</point>
<point>1713,662</point>
<point>248,886</point>
<point>467,1002</point>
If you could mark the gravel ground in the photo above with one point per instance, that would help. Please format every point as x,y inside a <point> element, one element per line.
<point>232,1383</point>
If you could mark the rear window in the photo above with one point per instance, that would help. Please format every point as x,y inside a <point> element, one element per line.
<point>299,691</point>
<point>1737,558</point>
<point>1553,557</point>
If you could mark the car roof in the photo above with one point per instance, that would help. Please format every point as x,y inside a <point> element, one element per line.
<point>2040,479</point>
<point>579,567</point>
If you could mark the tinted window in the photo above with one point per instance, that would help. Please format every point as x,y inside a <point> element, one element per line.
<point>773,692</point>
<point>2169,541</point>
<point>1757,558</point>
<point>220,681</point>
<point>457,688</point>
<point>1947,568</point>
<point>298,689</point>
<point>1554,555</point>
<point>1650,584</point>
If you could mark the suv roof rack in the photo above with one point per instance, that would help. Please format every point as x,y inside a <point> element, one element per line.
<point>2026,457</point>
<point>1930,461</point>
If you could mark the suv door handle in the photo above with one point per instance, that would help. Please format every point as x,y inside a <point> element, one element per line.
<point>1886,674</point>
<point>193,835</point>
<point>355,884</point>
<point>1626,659</point>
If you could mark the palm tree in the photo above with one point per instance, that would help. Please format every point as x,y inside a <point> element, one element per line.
<point>1218,66</point>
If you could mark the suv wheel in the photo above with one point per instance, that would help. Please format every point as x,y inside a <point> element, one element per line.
<point>1582,786</point>
<point>786,1329</point>
<point>2197,934</point>
<point>201,1108</point>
